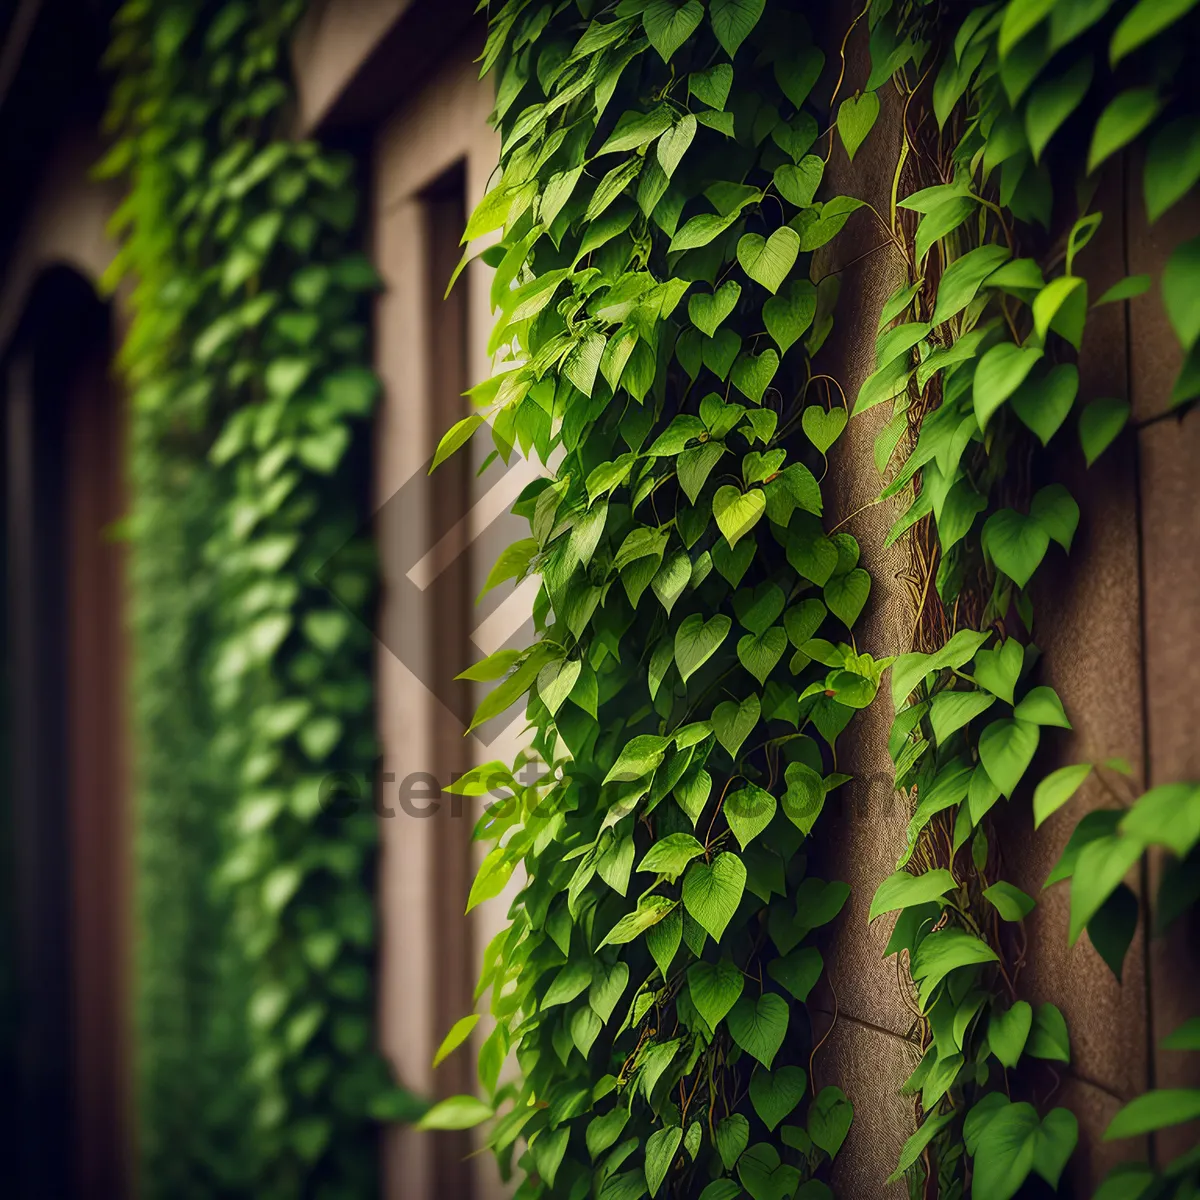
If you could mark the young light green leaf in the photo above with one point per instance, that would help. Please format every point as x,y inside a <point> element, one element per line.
<point>733,722</point>
<point>670,855</point>
<point>1006,748</point>
<point>457,1112</point>
<point>1001,370</point>
<point>712,892</point>
<point>737,512</point>
<point>903,890</point>
<point>768,260</point>
<point>1009,901</point>
<point>749,811</point>
<point>459,1032</point>
<point>855,119</point>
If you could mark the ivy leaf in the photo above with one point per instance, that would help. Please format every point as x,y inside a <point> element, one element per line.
<point>1042,706</point>
<point>1121,121</point>
<point>855,119</point>
<point>963,278</point>
<point>638,758</point>
<point>1112,927</point>
<point>661,1148</point>
<point>737,512</point>
<point>940,221</point>
<point>1101,866</point>
<point>1006,749</point>
<point>650,910</point>
<point>1043,404</point>
<point>670,855</point>
<point>1001,370</point>
<point>759,1026</point>
<point>712,86</point>
<point>1056,512</point>
<point>915,1146</point>
<point>1009,901</point>
<point>1099,424</point>
<point>693,466</point>
<point>797,971</point>
<point>764,1176</point>
<point>846,595</point>
<point>789,314</point>
<point>1021,17</point>
<point>715,988</point>
<point>1159,1108</point>
<point>701,230</point>
<point>752,374</point>
<point>903,890</point>
<point>805,796</point>
<point>662,940</point>
<point>998,670</point>
<point>775,1094</point>
<point>823,428</point>
<point>697,640</point>
<point>733,21</point>
<point>950,711</point>
<point>711,893</point>
<point>749,811</point>
<point>829,1119</point>
<point>759,653</point>
<point>732,722</point>
<point>1008,1031</point>
<point>1049,1038</point>
<point>1146,19</point>
<point>944,951</point>
<point>1016,543</point>
<point>708,311</point>
<point>768,260</point>
<point>732,1138</point>
<point>797,183</point>
<point>668,25</point>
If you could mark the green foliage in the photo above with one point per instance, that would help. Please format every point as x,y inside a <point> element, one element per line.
<point>691,679</point>
<point>246,362</point>
<point>1031,98</point>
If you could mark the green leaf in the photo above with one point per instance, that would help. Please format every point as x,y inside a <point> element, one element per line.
<point>1042,706</point>
<point>669,25</point>
<point>1181,292</point>
<point>1006,748</point>
<point>775,1094</point>
<point>1055,510</point>
<point>1020,18</point>
<point>903,890</point>
<point>455,437</point>
<point>1099,424</point>
<point>694,466</point>
<point>749,811</point>
<point>607,989</point>
<point>1009,901</point>
<point>697,640</point>
<point>701,230</point>
<point>1053,101</point>
<point>1043,404</point>
<point>797,183</point>
<point>673,144</point>
<point>662,940</point>
<point>947,950</point>
<point>940,221</point>
<point>1101,866</point>
<point>712,86</point>
<point>1016,543</point>
<point>715,988</point>
<point>737,512</point>
<point>650,910</point>
<point>829,1119</point>
<point>711,893</point>
<point>768,260</point>
<point>1122,120</point>
<point>733,21</point>
<point>708,311</point>
<point>1186,1037</point>
<point>963,278</point>
<point>1005,1153</point>
<point>950,711</point>
<point>1049,1038</point>
<point>752,374</point>
<point>759,1026</point>
<point>797,971</point>
<point>846,595</point>
<point>1008,1031</point>
<point>1146,19</point>
<point>764,1176</point>
<point>638,757</point>
<point>915,1146</point>
<point>732,1138</point>
<point>670,855</point>
<point>789,314</point>
<point>459,1032</point>
<point>1112,927</point>
<point>733,722</point>
<point>1172,165</point>
<point>457,1112</point>
<point>1157,1109</point>
<point>823,428</point>
<point>1128,288</point>
<point>1168,815</point>
<point>855,119</point>
<point>998,669</point>
<point>1001,370</point>
<point>797,72</point>
<point>661,1148</point>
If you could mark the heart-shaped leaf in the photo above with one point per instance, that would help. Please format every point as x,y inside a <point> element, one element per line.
<point>737,512</point>
<point>998,670</point>
<point>1043,404</point>
<point>797,971</point>
<point>715,988</point>
<point>796,136</point>
<point>1055,510</point>
<point>712,892</point>
<point>758,466</point>
<point>1001,370</point>
<point>719,351</point>
<point>732,1137</point>
<point>775,1094</point>
<point>805,796</point>
<point>752,374</point>
<point>1008,1030</point>
<point>759,653</point>
<point>823,428</point>
<point>789,314</point>
<point>1006,748</point>
<point>733,20</point>
<point>708,311</point>
<point>694,465</point>
<point>697,640</point>
<point>764,1176</point>
<point>759,1026</point>
<point>1017,544</point>
<point>845,595</point>
<point>733,562</point>
<point>749,811</point>
<point>856,116</point>
<point>829,1118</point>
<point>1099,424</point>
<point>810,552</point>
<point>669,25</point>
<point>712,86</point>
<point>768,260</point>
<point>759,609</point>
<point>732,722</point>
<point>797,183</point>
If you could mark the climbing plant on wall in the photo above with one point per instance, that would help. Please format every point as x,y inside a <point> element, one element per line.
<point>246,356</point>
<point>662,190</point>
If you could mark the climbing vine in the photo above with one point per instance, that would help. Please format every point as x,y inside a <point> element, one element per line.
<point>1032,102</point>
<point>695,666</point>
<point>246,357</point>
<point>658,202</point>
